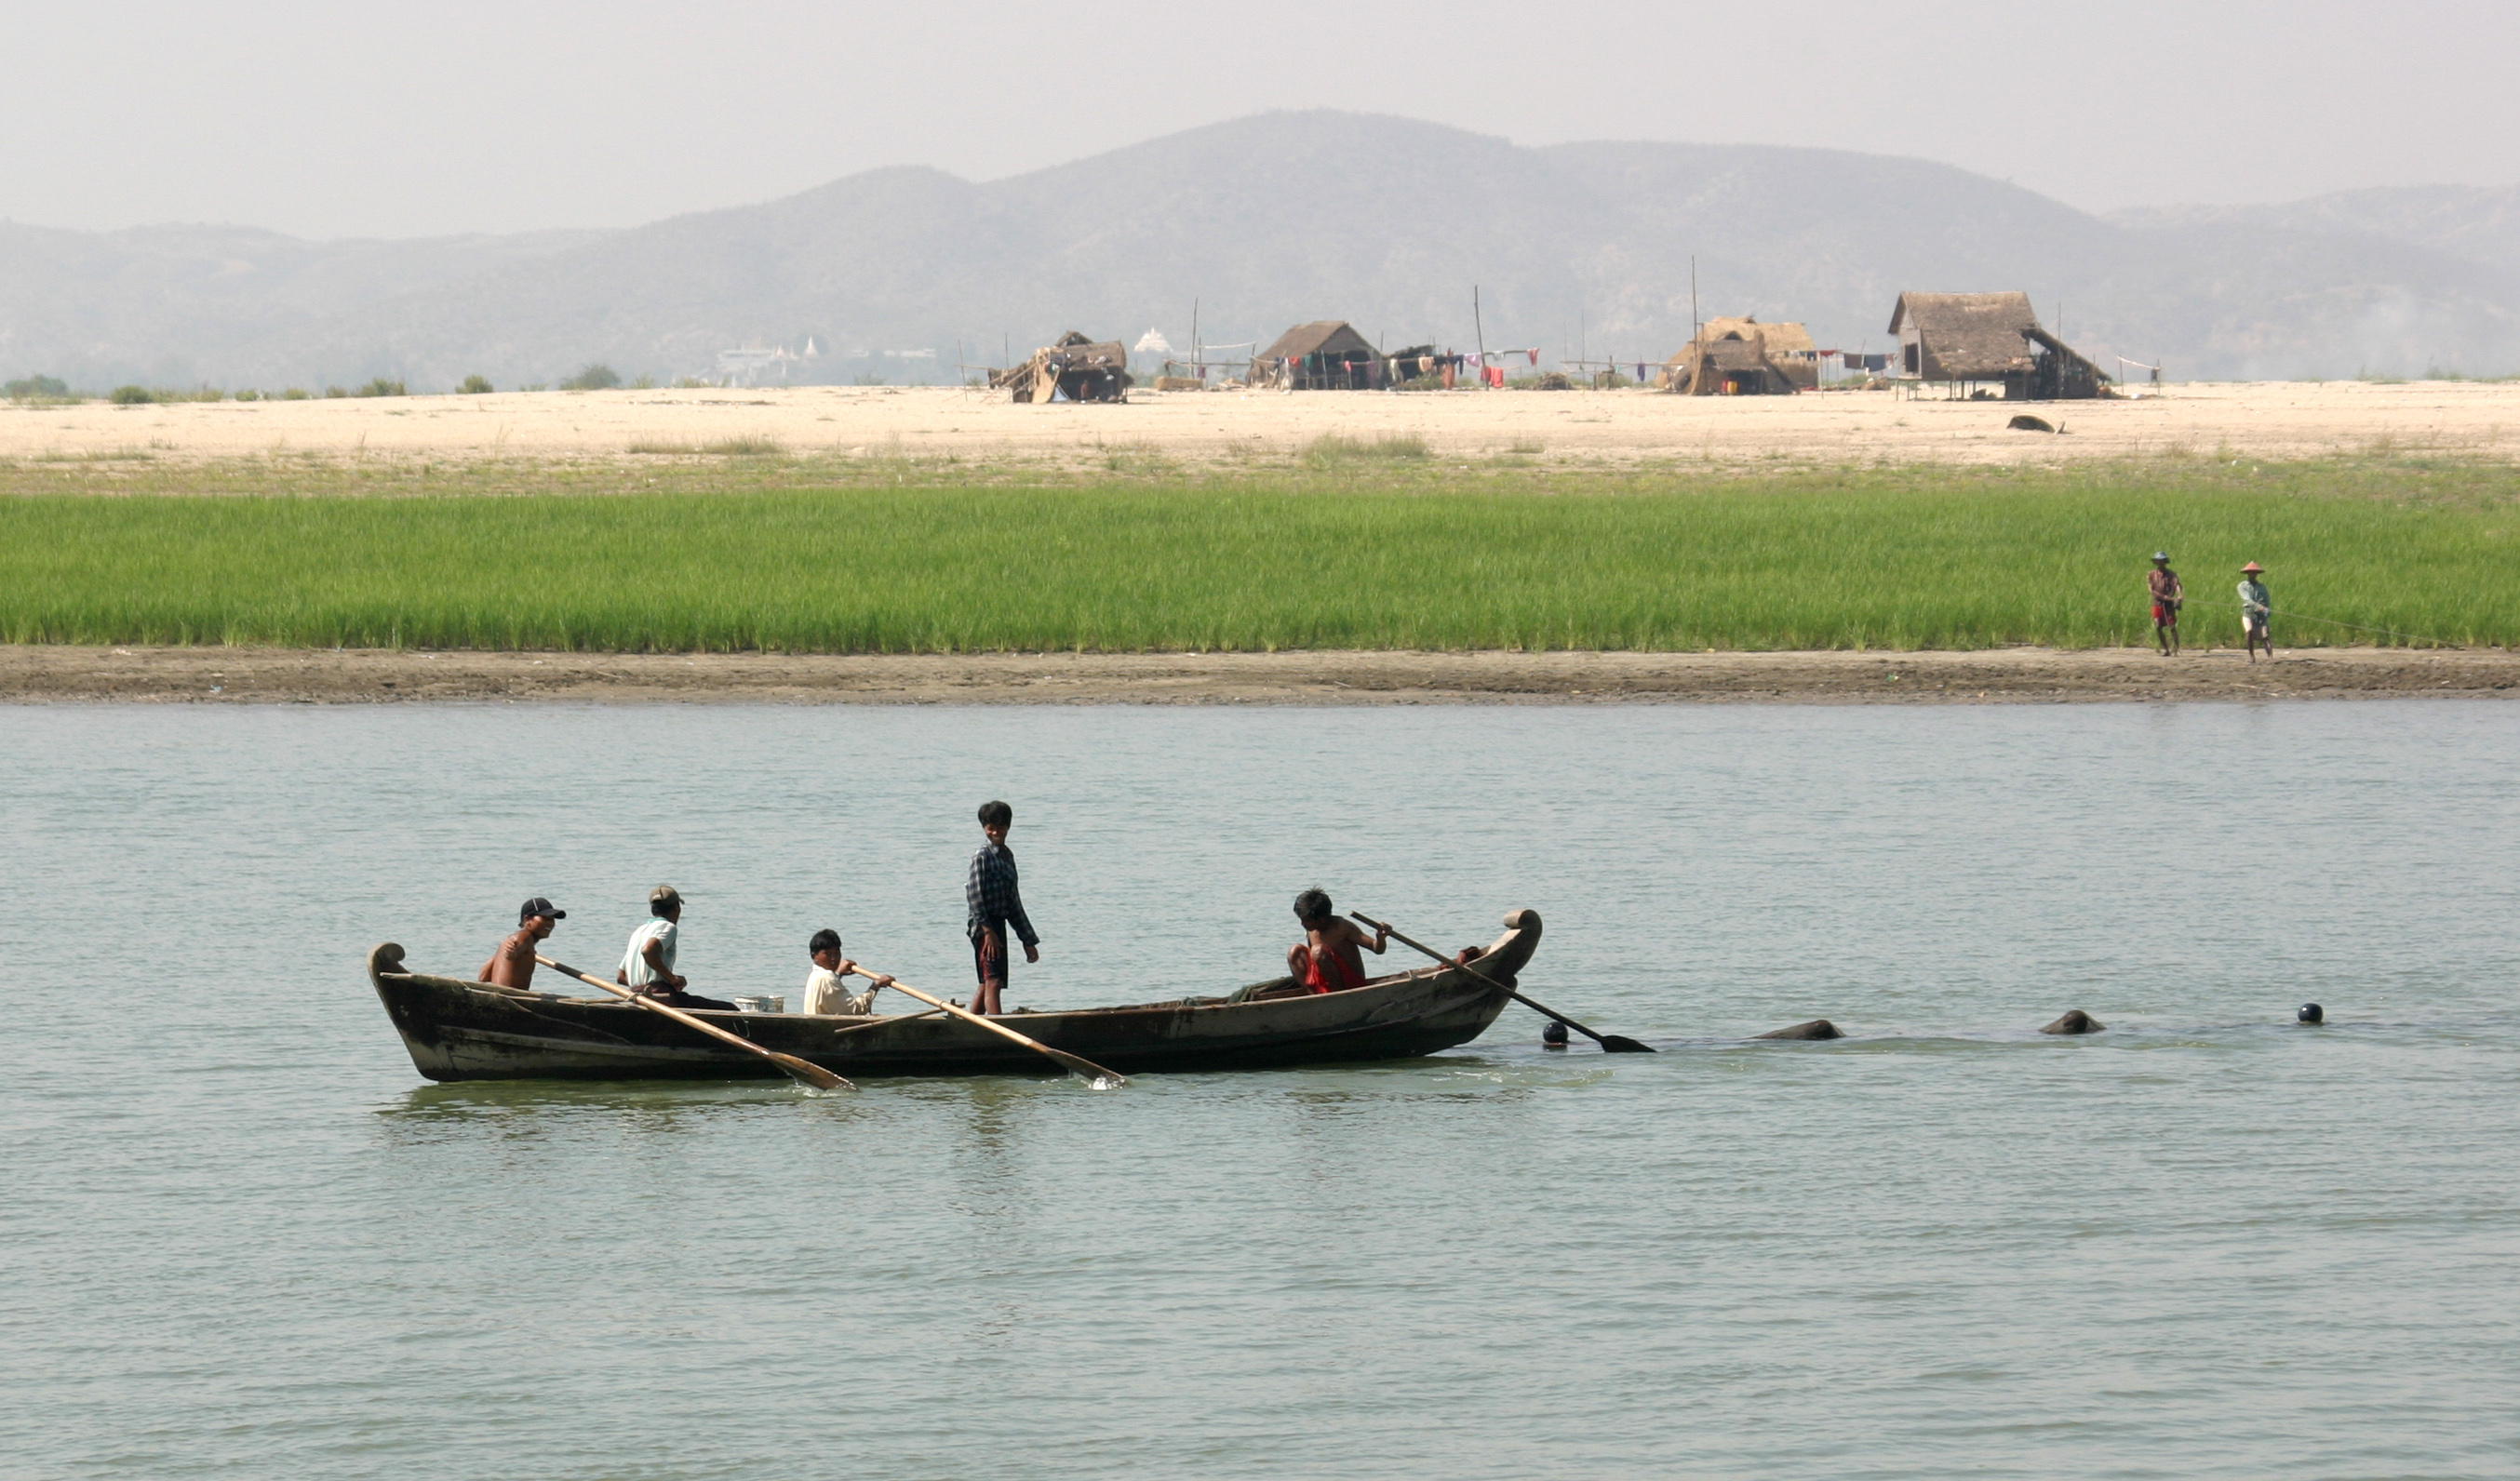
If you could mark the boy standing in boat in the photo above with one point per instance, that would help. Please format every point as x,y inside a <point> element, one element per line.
<point>992,904</point>
<point>1328,960</point>
<point>511,965</point>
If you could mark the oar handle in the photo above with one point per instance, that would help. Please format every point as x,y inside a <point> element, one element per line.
<point>803,1069</point>
<point>1472,969</point>
<point>1386,929</point>
<point>1076,1065</point>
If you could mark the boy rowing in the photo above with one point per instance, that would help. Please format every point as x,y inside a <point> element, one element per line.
<point>1328,958</point>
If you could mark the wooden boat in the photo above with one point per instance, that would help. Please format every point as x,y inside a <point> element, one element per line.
<point>460,1030</point>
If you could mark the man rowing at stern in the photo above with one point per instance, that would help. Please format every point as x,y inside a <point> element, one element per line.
<point>1328,960</point>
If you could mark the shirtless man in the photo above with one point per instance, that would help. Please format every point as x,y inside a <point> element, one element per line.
<point>2167,594</point>
<point>1328,958</point>
<point>511,965</point>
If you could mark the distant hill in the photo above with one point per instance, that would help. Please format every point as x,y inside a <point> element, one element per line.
<point>1275,219</point>
<point>173,305</point>
<point>2478,223</point>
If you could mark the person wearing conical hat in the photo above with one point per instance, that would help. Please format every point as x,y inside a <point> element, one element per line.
<point>2254,610</point>
<point>2167,596</point>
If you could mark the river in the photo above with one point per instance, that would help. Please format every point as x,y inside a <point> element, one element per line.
<point>242,1238</point>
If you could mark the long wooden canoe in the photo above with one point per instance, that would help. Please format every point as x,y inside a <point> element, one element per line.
<point>459,1030</point>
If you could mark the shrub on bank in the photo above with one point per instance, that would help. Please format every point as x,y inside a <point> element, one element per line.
<point>598,376</point>
<point>474,385</point>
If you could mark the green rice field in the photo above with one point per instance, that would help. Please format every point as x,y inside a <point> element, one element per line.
<point>774,555</point>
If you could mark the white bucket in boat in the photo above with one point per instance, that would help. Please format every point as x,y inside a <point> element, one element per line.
<point>761,1004</point>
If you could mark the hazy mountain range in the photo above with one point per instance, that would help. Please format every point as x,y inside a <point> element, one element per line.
<point>1273,220</point>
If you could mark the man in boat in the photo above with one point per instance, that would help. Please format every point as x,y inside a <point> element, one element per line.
<point>1328,960</point>
<point>2167,595</point>
<point>827,989</point>
<point>992,903</point>
<point>648,967</point>
<point>512,963</point>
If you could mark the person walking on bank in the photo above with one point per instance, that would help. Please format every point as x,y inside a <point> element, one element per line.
<point>2167,595</point>
<point>648,966</point>
<point>512,963</point>
<point>2254,612</point>
<point>992,904</point>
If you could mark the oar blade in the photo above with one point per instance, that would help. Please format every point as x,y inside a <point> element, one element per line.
<point>808,1071</point>
<point>1620,1044</point>
<point>1095,1076</point>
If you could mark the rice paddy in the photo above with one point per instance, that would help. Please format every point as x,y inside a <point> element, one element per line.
<point>1377,550</point>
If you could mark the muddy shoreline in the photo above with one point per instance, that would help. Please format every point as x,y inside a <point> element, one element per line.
<point>232,675</point>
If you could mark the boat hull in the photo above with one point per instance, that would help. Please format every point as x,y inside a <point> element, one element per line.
<point>457,1030</point>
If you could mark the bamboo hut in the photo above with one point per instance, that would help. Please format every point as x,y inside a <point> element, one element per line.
<point>1325,355</point>
<point>1742,357</point>
<point>1972,343</point>
<point>1077,367</point>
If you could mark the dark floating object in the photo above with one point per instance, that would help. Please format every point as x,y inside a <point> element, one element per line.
<point>2026,422</point>
<point>2075,1022</point>
<point>1553,1035</point>
<point>1818,1028</point>
<point>2311,1012</point>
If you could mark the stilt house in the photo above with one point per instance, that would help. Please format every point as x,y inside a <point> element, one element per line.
<point>1325,355</point>
<point>1742,357</point>
<point>1977,341</point>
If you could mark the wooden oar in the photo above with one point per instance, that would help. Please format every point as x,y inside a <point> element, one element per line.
<point>1611,1044</point>
<point>1075,1064</point>
<point>811,1073</point>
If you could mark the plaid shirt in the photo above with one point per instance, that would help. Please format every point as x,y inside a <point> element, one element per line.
<point>990,899</point>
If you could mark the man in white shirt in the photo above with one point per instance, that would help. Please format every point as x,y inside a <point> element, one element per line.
<point>648,967</point>
<point>826,985</point>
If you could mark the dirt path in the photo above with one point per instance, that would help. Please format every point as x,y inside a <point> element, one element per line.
<point>212,675</point>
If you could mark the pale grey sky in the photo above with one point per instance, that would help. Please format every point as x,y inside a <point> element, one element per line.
<point>405,120</point>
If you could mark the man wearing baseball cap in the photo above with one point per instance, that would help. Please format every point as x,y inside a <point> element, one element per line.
<point>513,963</point>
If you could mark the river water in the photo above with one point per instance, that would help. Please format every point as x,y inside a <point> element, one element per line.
<point>241,1237</point>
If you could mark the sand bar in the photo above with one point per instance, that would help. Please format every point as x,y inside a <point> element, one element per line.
<point>2020,675</point>
<point>2270,419</point>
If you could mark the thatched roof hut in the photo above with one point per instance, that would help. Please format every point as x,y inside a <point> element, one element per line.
<point>1959,338</point>
<point>1078,368</point>
<point>1742,357</point>
<point>1325,354</point>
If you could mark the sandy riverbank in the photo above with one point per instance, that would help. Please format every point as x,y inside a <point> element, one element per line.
<point>2273,421</point>
<point>214,675</point>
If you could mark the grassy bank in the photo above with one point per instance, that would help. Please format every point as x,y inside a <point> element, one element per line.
<point>765,554</point>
